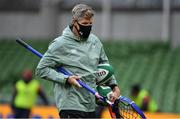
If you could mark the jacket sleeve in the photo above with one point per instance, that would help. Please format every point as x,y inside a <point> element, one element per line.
<point>46,68</point>
<point>104,59</point>
<point>112,81</point>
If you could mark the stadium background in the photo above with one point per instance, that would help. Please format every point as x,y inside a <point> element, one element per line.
<point>141,39</point>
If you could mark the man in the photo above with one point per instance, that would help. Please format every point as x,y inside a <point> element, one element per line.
<point>25,95</point>
<point>143,100</point>
<point>79,52</point>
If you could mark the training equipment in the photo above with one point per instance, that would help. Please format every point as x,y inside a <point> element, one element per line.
<point>123,107</point>
<point>127,109</point>
<point>104,91</point>
<point>105,72</point>
<point>114,108</point>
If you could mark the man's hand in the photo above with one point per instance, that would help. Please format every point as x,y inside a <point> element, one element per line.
<point>73,80</point>
<point>114,95</point>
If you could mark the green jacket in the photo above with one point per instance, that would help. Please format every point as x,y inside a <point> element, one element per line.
<point>80,58</point>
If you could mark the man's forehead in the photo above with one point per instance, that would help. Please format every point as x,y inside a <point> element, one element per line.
<point>85,19</point>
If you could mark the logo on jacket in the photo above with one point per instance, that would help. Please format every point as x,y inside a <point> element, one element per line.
<point>73,51</point>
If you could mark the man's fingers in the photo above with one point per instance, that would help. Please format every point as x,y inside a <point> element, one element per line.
<point>112,96</point>
<point>74,81</point>
<point>77,77</point>
<point>77,84</point>
<point>112,99</point>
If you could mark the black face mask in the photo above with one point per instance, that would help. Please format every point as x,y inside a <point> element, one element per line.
<point>84,31</point>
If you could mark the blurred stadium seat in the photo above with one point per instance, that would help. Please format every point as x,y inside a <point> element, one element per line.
<point>20,5</point>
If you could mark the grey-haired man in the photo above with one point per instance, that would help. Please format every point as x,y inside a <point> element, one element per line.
<point>80,52</point>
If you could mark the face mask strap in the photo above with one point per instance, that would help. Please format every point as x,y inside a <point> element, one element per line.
<point>77,29</point>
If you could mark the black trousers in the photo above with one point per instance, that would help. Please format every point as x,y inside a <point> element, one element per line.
<point>76,114</point>
<point>21,113</point>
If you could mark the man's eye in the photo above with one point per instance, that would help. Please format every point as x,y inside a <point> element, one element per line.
<point>86,23</point>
